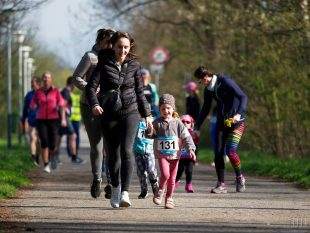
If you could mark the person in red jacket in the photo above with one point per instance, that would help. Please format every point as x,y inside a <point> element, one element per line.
<point>49,104</point>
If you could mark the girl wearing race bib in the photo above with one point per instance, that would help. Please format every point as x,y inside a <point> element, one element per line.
<point>169,132</point>
<point>186,162</point>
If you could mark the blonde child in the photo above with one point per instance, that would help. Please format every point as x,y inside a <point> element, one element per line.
<point>169,133</point>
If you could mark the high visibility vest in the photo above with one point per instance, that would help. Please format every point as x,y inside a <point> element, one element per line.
<point>75,107</point>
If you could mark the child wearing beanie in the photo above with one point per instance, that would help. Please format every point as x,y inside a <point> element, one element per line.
<point>169,133</point>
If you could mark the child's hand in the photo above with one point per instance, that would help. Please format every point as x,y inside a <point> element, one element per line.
<point>192,155</point>
<point>149,125</point>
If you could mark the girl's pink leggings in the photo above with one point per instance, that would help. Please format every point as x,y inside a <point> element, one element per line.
<point>168,173</point>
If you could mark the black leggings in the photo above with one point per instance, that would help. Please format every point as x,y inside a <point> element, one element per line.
<point>119,135</point>
<point>187,165</point>
<point>48,132</point>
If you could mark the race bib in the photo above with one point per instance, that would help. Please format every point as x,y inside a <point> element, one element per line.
<point>168,145</point>
<point>141,131</point>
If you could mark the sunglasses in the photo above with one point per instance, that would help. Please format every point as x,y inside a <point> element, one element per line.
<point>186,122</point>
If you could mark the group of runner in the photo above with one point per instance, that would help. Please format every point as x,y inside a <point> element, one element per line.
<point>48,114</point>
<point>124,118</point>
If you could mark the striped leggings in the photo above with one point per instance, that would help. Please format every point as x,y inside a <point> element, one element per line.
<point>227,142</point>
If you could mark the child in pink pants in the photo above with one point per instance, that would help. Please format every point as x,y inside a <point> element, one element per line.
<point>169,133</point>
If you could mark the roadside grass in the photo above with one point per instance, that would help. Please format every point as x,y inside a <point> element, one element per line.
<point>14,163</point>
<point>258,163</point>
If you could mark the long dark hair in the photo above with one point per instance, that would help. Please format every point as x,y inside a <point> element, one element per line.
<point>117,35</point>
<point>104,33</point>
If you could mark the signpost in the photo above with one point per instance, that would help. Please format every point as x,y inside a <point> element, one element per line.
<point>159,56</point>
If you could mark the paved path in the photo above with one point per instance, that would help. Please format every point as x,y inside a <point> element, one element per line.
<point>61,202</point>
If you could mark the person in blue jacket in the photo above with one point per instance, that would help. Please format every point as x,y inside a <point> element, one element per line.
<point>29,122</point>
<point>231,104</point>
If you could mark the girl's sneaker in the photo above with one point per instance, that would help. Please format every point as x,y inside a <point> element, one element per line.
<point>219,188</point>
<point>169,203</point>
<point>125,201</point>
<point>114,201</point>
<point>155,188</point>
<point>176,185</point>
<point>240,184</point>
<point>189,188</point>
<point>157,199</point>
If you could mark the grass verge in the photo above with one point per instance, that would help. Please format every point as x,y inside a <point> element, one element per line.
<point>14,163</point>
<point>258,163</point>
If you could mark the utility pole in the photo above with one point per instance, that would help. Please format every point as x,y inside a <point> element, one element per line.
<point>20,39</point>
<point>9,85</point>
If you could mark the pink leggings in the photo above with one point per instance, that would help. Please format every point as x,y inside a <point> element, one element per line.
<point>168,173</point>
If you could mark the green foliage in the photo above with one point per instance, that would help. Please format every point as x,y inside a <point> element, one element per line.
<point>14,164</point>
<point>263,45</point>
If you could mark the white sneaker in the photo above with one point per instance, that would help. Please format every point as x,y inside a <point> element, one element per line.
<point>47,169</point>
<point>115,196</point>
<point>125,202</point>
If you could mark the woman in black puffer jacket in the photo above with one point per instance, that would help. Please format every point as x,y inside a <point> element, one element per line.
<point>119,71</point>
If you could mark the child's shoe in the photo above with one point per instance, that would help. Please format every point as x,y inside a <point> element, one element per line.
<point>189,188</point>
<point>219,188</point>
<point>157,199</point>
<point>155,188</point>
<point>169,203</point>
<point>176,185</point>
<point>143,194</point>
<point>240,184</point>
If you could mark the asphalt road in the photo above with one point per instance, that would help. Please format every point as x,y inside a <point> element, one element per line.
<point>61,202</point>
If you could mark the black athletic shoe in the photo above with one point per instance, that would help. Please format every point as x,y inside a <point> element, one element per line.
<point>95,188</point>
<point>143,194</point>
<point>108,191</point>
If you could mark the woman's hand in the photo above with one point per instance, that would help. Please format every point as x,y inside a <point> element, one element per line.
<point>97,110</point>
<point>236,118</point>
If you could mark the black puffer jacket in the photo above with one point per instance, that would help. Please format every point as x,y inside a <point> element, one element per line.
<point>109,75</point>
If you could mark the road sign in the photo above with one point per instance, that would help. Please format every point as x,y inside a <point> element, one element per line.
<point>159,55</point>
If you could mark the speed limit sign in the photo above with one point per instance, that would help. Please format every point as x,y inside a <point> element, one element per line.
<point>159,55</point>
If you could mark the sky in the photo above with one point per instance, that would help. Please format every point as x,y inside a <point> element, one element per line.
<point>61,26</point>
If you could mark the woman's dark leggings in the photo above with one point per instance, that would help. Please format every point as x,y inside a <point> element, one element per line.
<point>187,165</point>
<point>119,135</point>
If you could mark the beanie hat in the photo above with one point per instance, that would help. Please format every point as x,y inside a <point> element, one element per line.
<point>167,99</point>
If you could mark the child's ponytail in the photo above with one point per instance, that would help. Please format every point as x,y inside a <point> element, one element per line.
<point>175,115</point>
